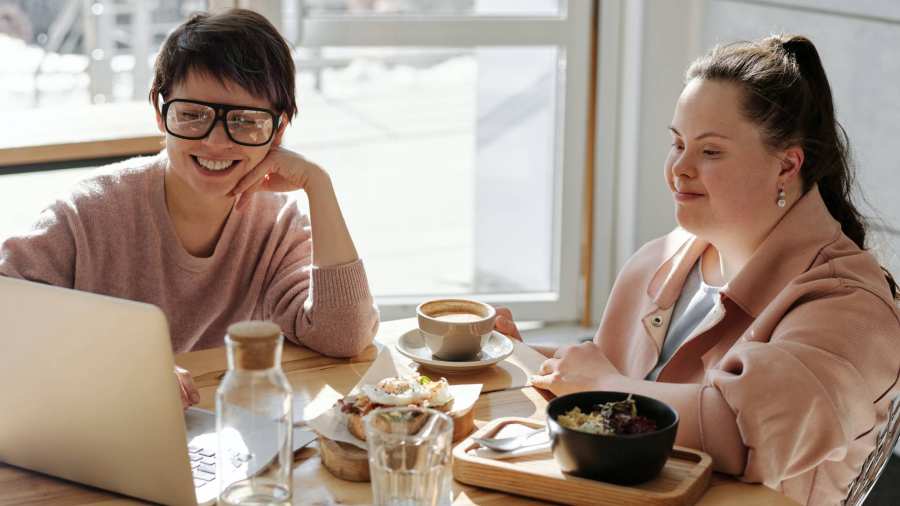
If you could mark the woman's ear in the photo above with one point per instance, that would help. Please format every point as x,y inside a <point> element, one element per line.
<point>791,163</point>
<point>282,126</point>
<point>159,119</point>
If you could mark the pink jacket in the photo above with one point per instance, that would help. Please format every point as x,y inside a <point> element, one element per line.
<point>789,378</point>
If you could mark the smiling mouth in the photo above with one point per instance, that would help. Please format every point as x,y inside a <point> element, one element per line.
<point>214,165</point>
<point>682,197</point>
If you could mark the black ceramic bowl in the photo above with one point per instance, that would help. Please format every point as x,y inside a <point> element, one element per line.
<point>621,459</point>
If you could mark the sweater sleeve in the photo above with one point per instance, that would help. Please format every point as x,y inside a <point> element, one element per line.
<point>46,253</point>
<point>802,397</point>
<point>328,309</point>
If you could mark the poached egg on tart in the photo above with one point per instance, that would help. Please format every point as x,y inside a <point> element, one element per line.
<point>415,390</point>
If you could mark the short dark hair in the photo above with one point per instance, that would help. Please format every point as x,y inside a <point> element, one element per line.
<point>237,45</point>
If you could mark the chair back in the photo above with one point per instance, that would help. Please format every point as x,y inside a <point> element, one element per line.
<point>877,460</point>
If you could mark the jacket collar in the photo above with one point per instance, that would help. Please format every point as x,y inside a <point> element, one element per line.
<point>789,250</point>
<point>666,284</point>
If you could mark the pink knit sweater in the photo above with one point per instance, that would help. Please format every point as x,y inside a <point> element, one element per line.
<point>112,235</point>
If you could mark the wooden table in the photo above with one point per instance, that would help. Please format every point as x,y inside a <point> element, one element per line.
<point>317,381</point>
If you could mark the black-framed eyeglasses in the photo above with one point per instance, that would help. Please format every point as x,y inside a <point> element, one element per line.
<point>192,119</point>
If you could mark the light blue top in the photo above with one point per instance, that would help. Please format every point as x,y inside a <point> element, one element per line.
<point>697,299</point>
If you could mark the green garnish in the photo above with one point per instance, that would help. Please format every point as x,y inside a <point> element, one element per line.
<point>424,380</point>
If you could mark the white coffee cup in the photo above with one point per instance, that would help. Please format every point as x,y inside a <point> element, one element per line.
<point>455,329</point>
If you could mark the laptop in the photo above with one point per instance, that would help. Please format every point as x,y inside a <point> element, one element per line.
<point>88,394</point>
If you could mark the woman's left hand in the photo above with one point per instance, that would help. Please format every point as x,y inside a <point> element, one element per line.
<point>576,369</point>
<point>282,170</point>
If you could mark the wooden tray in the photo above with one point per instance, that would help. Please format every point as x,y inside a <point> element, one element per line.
<point>682,481</point>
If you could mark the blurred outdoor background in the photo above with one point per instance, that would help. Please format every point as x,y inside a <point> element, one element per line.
<point>462,135</point>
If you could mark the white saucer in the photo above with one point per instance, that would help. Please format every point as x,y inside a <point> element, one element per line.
<point>412,345</point>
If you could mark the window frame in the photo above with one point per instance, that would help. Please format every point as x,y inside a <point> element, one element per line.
<point>571,32</point>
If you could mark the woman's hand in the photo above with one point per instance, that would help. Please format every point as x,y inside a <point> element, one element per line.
<point>505,325</point>
<point>189,393</point>
<point>576,369</point>
<point>282,170</point>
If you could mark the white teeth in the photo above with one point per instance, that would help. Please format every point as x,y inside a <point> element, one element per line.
<point>214,164</point>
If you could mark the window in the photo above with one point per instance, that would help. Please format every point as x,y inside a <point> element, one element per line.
<point>463,172</point>
<point>455,132</point>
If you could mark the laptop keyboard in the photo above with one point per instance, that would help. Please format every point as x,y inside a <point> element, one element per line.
<point>203,465</point>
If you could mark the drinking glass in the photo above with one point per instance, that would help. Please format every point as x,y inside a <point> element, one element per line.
<point>409,456</point>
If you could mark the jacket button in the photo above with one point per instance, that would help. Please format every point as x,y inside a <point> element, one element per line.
<point>656,321</point>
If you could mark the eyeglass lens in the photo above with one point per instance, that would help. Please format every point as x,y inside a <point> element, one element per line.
<point>247,126</point>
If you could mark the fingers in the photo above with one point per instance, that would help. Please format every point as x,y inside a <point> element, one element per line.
<point>276,182</point>
<point>189,393</point>
<point>507,327</point>
<point>543,381</point>
<point>505,323</point>
<point>562,350</point>
<point>191,389</point>
<point>185,398</point>
<point>251,178</point>
<point>243,200</point>
<point>504,312</point>
<point>550,365</point>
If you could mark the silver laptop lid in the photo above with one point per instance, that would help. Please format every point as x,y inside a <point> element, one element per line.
<point>88,392</point>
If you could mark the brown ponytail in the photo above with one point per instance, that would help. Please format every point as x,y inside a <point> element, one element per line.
<point>787,94</point>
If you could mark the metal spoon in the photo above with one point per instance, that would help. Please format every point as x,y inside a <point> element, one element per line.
<point>506,444</point>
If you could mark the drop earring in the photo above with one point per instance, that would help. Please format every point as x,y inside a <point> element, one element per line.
<point>781,202</point>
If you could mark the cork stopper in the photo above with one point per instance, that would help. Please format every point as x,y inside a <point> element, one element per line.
<point>256,344</point>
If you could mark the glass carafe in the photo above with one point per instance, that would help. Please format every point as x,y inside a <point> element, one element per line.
<point>254,419</point>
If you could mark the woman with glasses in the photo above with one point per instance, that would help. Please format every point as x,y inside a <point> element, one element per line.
<point>762,320</point>
<point>204,230</point>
